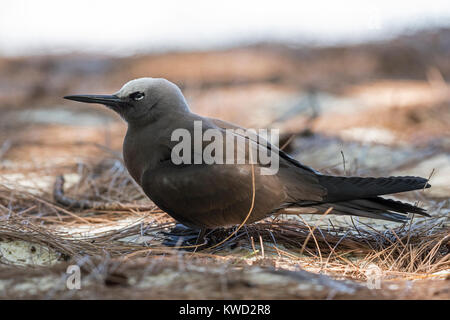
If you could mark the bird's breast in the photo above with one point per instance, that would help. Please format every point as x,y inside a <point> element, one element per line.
<point>130,157</point>
<point>142,153</point>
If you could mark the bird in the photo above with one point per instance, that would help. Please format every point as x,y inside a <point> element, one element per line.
<point>205,196</point>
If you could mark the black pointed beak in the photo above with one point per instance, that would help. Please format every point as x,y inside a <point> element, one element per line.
<point>108,100</point>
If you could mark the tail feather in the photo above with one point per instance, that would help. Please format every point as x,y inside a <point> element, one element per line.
<point>361,197</point>
<point>398,206</point>
<point>377,208</point>
<point>348,188</point>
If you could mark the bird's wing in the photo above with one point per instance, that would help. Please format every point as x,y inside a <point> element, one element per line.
<point>221,194</point>
<point>349,195</point>
<point>212,195</point>
<point>300,182</point>
<point>227,125</point>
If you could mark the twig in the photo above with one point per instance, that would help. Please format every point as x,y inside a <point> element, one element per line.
<point>61,198</point>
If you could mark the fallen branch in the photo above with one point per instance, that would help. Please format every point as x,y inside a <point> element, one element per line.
<point>62,199</point>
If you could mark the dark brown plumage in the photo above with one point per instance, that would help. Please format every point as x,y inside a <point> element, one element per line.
<point>208,196</point>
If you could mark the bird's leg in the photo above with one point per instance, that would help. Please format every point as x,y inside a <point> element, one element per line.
<point>200,239</point>
<point>180,235</point>
<point>201,236</point>
<point>183,236</point>
<point>181,230</point>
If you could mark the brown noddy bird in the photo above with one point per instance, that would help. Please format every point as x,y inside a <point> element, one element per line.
<point>212,195</point>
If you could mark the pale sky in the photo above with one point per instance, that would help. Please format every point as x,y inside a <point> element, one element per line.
<point>129,26</point>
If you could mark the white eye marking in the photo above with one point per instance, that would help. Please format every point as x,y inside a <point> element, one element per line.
<point>136,96</point>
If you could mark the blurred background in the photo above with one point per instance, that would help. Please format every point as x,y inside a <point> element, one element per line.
<point>356,88</point>
<point>360,83</point>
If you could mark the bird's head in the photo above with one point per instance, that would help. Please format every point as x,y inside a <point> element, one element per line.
<point>141,100</point>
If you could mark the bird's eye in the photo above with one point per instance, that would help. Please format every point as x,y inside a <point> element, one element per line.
<point>136,96</point>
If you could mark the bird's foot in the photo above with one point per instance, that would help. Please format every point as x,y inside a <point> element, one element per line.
<point>184,237</point>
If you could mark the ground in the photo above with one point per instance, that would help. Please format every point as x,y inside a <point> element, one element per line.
<point>371,110</point>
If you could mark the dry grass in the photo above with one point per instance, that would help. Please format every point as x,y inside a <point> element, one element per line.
<point>114,222</point>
